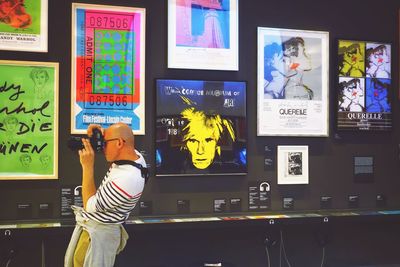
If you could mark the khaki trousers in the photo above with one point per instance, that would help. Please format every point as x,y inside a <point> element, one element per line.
<point>81,248</point>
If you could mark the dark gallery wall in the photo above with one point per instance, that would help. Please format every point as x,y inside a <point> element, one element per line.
<point>331,158</point>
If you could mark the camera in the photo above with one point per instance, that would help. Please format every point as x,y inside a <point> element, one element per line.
<point>96,140</point>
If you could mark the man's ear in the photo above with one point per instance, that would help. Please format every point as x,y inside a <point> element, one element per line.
<point>120,142</point>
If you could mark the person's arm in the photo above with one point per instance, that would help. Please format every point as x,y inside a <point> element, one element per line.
<point>121,193</point>
<point>86,156</point>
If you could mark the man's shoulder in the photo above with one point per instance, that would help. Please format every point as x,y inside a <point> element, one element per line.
<point>127,177</point>
<point>126,167</point>
<point>141,159</point>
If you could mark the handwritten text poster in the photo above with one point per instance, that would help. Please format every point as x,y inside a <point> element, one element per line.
<point>28,120</point>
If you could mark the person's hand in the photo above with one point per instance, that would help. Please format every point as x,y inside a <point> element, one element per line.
<point>92,127</point>
<point>86,155</point>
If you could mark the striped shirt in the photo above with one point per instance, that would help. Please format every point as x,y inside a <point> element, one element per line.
<point>117,195</point>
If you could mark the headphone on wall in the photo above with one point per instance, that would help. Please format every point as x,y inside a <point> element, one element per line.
<point>264,187</point>
<point>76,190</point>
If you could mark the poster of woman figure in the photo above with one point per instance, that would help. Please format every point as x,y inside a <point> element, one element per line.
<point>203,34</point>
<point>292,82</point>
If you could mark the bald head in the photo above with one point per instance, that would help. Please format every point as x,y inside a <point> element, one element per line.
<point>122,130</point>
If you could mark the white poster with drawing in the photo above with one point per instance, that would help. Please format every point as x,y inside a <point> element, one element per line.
<point>292,92</point>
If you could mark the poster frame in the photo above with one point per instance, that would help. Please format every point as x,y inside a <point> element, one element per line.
<point>138,73</point>
<point>54,175</point>
<point>270,121</point>
<point>283,177</point>
<point>203,58</point>
<point>172,121</point>
<point>363,120</point>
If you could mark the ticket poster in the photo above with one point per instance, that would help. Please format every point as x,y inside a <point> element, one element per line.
<point>23,25</point>
<point>107,67</point>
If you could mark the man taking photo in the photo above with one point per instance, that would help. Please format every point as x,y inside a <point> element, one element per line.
<point>99,235</point>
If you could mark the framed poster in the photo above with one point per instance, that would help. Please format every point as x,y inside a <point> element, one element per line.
<point>108,71</point>
<point>292,94</point>
<point>28,120</point>
<point>293,165</point>
<point>364,86</point>
<point>197,128</point>
<point>23,25</point>
<point>203,34</point>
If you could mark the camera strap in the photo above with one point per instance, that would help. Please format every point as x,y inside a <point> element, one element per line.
<point>144,171</point>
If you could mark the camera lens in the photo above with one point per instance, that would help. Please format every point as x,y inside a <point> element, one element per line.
<point>96,140</point>
<point>75,143</point>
